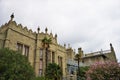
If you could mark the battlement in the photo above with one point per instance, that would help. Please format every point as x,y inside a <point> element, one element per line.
<point>3,27</point>
<point>61,48</point>
<point>28,32</point>
<point>20,29</point>
<point>23,30</point>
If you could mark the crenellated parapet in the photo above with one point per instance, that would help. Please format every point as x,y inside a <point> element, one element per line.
<point>41,35</point>
<point>20,29</point>
<point>61,48</point>
<point>4,27</point>
<point>12,25</point>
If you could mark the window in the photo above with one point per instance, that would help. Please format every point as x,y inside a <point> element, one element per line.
<point>53,57</point>
<point>48,56</point>
<point>41,62</point>
<point>40,67</point>
<point>40,72</point>
<point>19,47</point>
<point>41,53</point>
<point>72,72</point>
<point>60,61</point>
<point>24,49</point>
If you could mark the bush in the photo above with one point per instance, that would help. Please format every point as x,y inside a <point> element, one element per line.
<point>53,71</point>
<point>104,71</point>
<point>82,71</point>
<point>14,66</point>
<point>42,78</point>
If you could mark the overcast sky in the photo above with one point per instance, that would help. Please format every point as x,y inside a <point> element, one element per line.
<point>90,24</point>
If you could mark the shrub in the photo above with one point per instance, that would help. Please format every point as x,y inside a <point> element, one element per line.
<point>53,71</point>
<point>42,78</point>
<point>104,71</point>
<point>14,66</point>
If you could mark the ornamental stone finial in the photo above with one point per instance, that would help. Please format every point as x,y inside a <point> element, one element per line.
<point>64,45</point>
<point>110,44</point>
<point>12,16</point>
<point>111,47</point>
<point>51,33</point>
<point>38,29</point>
<point>55,35</point>
<point>46,30</point>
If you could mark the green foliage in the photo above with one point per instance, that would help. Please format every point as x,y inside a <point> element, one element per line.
<point>42,78</point>
<point>46,41</point>
<point>104,71</point>
<point>83,71</point>
<point>14,66</point>
<point>53,71</point>
<point>78,56</point>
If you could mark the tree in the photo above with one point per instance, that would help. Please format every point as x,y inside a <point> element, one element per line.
<point>104,71</point>
<point>83,71</point>
<point>54,71</point>
<point>14,66</point>
<point>78,57</point>
<point>42,78</point>
<point>46,44</point>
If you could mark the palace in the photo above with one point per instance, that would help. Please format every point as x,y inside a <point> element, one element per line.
<point>30,44</point>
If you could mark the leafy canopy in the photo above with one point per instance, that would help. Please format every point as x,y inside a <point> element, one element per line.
<point>53,71</point>
<point>83,71</point>
<point>14,66</point>
<point>46,41</point>
<point>42,78</point>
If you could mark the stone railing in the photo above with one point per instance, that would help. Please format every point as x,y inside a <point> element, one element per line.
<point>97,53</point>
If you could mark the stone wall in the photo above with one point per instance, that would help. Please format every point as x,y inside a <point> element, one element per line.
<point>12,33</point>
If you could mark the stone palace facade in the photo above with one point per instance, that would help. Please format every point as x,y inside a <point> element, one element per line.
<point>16,37</point>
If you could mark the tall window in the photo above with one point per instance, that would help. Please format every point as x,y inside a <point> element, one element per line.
<point>40,72</point>
<point>53,57</point>
<point>48,57</point>
<point>40,68</point>
<point>60,61</point>
<point>41,63</point>
<point>24,49</point>
<point>20,47</point>
<point>41,53</point>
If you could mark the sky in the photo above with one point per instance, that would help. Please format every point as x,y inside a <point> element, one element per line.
<point>90,24</point>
